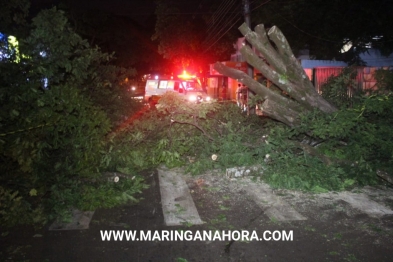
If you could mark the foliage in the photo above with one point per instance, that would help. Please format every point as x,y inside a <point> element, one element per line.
<point>12,14</point>
<point>342,90</point>
<point>176,35</point>
<point>307,24</point>
<point>129,41</point>
<point>353,141</point>
<point>356,139</point>
<point>58,104</point>
<point>302,172</point>
<point>16,209</point>
<point>384,80</point>
<point>94,194</point>
<point>184,133</point>
<point>180,38</point>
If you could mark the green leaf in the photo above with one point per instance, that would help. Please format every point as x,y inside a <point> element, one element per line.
<point>33,192</point>
<point>14,112</point>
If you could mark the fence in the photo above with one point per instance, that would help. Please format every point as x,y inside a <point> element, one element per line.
<point>364,78</point>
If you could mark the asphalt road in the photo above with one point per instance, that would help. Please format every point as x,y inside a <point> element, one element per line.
<point>333,229</point>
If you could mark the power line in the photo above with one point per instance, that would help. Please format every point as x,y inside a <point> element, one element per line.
<point>230,23</point>
<point>221,11</point>
<point>309,34</point>
<point>222,34</point>
<point>214,34</point>
<point>260,4</point>
<point>219,23</point>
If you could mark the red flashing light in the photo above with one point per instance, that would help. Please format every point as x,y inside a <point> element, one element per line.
<point>186,76</point>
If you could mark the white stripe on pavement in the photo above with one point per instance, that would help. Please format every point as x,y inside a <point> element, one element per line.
<point>177,204</point>
<point>274,206</point>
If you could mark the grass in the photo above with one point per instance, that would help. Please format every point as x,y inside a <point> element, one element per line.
<point>274,220</point>
<point>220,220</point>
<point>212,189</point>
<point>308,228</point>
<point>350,257</point>
<point>180,259</point>
<point>226,197</point>
<point>187,224</point>
<point>376,228</point>
<point>223,207</point>
<point>338,236</point>
<point>179,209</point>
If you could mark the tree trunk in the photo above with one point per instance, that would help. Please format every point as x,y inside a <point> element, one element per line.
<point>274,105</point>
<point>279,65</point>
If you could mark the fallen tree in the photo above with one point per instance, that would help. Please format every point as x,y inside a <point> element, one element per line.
<point>279,65</point>
<point>356,138</point>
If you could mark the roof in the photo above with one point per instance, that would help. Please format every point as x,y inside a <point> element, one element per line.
<point>374,58</point>
<point>321,63</point>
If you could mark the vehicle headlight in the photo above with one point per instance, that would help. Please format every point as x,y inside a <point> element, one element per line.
<point>192,98</point>
<point>207,98</point>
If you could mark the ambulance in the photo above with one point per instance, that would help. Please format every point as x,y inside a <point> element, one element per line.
<point>189,86</point>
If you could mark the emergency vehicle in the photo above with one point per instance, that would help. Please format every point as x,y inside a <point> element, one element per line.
<point>187,85</point>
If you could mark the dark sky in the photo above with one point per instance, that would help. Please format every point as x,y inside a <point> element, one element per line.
<point>139,10</point>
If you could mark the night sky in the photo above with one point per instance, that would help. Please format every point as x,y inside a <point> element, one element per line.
<point>139,10</point>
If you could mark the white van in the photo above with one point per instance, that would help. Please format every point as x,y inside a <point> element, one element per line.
<point>191,89</point>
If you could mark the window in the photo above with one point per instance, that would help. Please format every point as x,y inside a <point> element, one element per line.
<point>163,84</point>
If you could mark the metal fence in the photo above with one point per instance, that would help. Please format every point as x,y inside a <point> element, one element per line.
<point>364,79</point>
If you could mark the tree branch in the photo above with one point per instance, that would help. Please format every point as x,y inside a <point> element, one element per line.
<point>385,176</point>
<point>197,126</point>
<point>314,152</point>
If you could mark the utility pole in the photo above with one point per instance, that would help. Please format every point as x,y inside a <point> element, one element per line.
<point>250,69</point>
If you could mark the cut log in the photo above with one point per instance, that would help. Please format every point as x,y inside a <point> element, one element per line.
<point>279,107</point>
<point>280,66</point>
